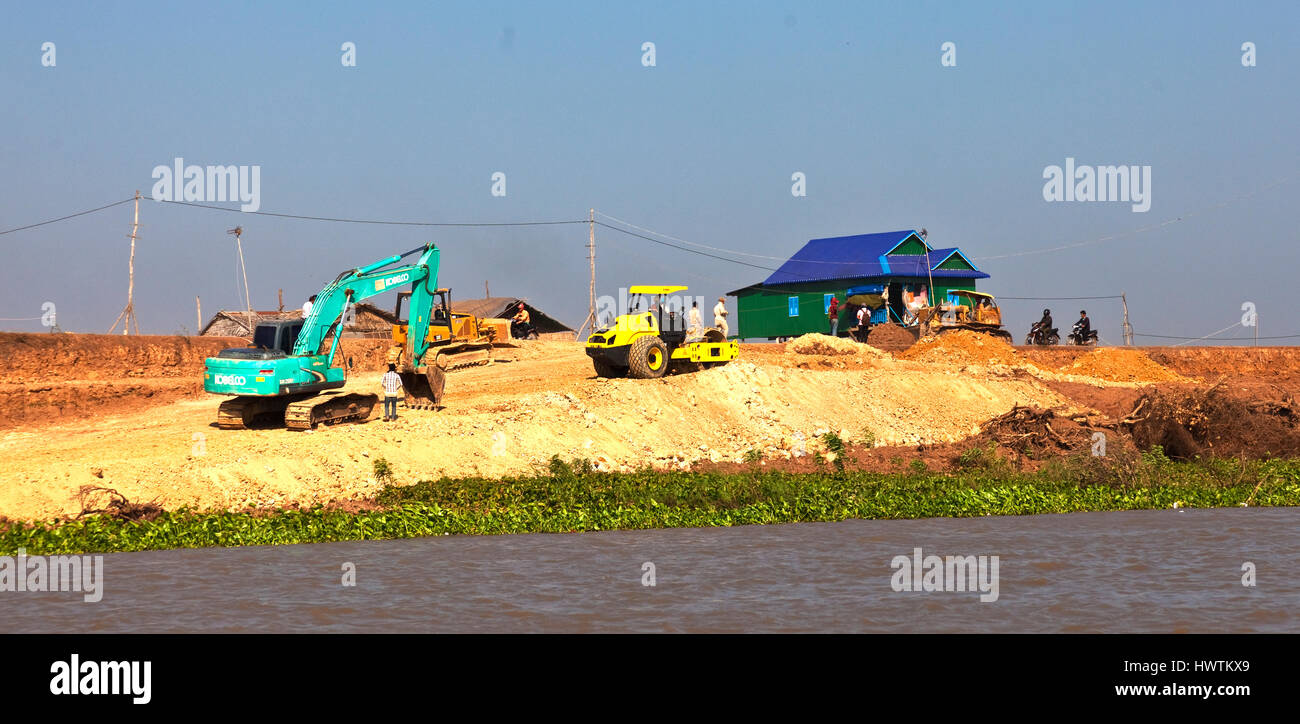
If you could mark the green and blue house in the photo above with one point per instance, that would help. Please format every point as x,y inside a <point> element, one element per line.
<point>795,299</point>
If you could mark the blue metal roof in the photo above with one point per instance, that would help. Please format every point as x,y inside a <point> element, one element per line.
<point>864,255</point>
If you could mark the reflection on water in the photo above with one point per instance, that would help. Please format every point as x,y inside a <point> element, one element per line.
<point>1158,571</point>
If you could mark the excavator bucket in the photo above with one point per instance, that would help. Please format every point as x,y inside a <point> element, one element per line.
<point>424,390</point>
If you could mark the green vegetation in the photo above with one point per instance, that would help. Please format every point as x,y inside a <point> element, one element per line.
<point>383,473</point>
<point>834,445</point>
<point>571,496</point>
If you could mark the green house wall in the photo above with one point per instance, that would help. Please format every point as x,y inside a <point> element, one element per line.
<point>763,313</point>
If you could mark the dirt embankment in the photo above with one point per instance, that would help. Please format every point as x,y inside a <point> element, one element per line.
<point>48,378</point>
<point>149,434</point>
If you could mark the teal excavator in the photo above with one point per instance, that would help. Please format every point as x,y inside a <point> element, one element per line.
<point>288,372</point>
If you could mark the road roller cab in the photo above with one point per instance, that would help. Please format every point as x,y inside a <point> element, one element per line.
<point>653,338</point>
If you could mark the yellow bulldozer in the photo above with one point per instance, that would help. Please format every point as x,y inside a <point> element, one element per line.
<point>451,340</point>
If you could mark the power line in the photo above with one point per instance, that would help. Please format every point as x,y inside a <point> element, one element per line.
<point>1141,229</point>
<point>702,246</point>
<point>369,221</point>
<point>682,248</point>
<point>69,216</point>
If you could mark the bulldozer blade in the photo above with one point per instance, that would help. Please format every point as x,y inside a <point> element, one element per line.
<point>424,391</point>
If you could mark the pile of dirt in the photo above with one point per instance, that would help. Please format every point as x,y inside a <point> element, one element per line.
<point>824,344</point>
<point>1119,364</point>
<point>961,348</point>
<point>1277,364</point>
<point>497,420</point>
<point>1194,422</point>
<point>890,337</point>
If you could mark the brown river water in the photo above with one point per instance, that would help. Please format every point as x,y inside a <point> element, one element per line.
<point>1143,571</point>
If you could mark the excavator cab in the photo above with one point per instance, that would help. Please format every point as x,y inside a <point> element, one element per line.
<point>444,325</point>
<point>278,336</point>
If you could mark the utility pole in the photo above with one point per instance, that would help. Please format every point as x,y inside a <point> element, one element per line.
<point>238,231</point>
<point>487,293</point>
<point>198,315</point>
<point>1128,328</point>
<point>591,262</point>
<point>279,295</point>
<point>127,317</point>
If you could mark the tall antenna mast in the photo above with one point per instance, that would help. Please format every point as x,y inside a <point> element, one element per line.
<point>591,287</point>
<point>238,231</point>
<point>127,317</point>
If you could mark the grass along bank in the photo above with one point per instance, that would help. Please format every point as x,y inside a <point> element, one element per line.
<point>569,497</point>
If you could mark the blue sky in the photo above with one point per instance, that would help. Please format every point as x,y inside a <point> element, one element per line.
<point>701,146</point>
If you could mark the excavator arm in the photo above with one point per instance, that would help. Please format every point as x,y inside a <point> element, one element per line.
<point>355,285</point>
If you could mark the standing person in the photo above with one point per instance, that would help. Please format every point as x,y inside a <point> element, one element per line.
<point>696,323</point>
<point>391,382</point>
<point>307,305</point>
<point>864,320</point>
<point>720,316</point>
<point>834,314</point>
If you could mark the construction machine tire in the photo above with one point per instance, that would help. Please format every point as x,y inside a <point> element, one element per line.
<point>424,390</point>
<point>605,369</point>
<point>648,358</point>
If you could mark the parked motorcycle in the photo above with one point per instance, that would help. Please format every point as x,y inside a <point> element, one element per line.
<point>1043,337</point>
<point>1076,338</point>
<point>522,330</point>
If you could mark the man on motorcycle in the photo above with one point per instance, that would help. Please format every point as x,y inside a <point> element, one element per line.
<point>1083,327</point>
<point>1042,326</point>
<point>520,324</point>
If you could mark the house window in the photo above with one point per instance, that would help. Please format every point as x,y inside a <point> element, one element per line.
<point>794,306</point>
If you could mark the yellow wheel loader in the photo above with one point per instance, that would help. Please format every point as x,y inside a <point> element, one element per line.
<point>648,343</point>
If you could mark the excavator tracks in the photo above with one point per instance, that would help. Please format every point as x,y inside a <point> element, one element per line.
<point>241,413</point>
<point>329,408</point>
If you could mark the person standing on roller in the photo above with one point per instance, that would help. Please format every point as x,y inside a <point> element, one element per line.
<point>720,316</point>
<point>696,324</point>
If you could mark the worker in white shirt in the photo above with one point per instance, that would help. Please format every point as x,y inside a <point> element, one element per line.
<point>306,306</point>
<point>696,323</point>
<point>391,382</point>
<point>720,316</point>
